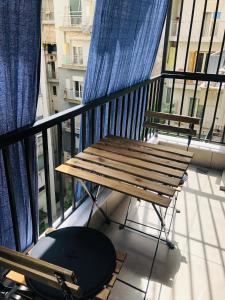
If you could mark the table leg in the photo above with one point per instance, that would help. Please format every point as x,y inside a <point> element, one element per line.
<point>94,200</point>
<point>124,224</point>
<point>163,226</point>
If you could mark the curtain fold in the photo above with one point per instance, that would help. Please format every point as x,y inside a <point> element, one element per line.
<point>124,45</point>
<point>19,86</point>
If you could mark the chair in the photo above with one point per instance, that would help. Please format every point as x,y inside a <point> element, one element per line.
<point>69,263</point>
<point>152,121</point>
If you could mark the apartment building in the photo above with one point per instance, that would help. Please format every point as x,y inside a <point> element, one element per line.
<point>183,55</point>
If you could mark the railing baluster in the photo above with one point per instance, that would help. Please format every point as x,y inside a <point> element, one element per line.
<point>121,115</point>
<point>203,110</point>
<point>189,35</point>
<point>147,107</point>
<point>47,179</point>
<point>73,150</point>
<point>60,175</point>
<point>109,118</point>
<point>128,113</point>
<point>115,117</point>
<point>132,114</point>
<point>138,111</point>
<point>216,108</point>
<point>101,121</point>
<point>143,110</point>
<point>84,124</point>
<point>201,33</point>
<point>212,37</point>
<point>11,196</point>
<point>93,123</point>
<point>72,137</point>
<point>30,172</point>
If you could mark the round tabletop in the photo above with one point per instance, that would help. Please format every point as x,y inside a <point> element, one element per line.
<point>87,252</point>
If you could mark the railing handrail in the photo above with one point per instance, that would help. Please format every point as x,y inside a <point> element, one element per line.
<point>194,76</point>
<point>50,121</point>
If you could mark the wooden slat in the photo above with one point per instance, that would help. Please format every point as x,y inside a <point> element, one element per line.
<point>141,149</point>
<point>37,275</point>
<point>119,265</point>
<point>20,280</point>
<point>112,281</point>
<point>164,148</point>
<point>16,277</point>
<point>49,230</point>
<point>172,117</point>
<point>143,156</point>
<point>115,185</point>
<point>123,176</point>
<point>121,255</point>
<point>103,295</point>
<point>148,174</point>
<point>135,162</point>
<point>170,128</point>
<point>36,264</point>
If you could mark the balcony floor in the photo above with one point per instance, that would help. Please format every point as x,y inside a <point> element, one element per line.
<point>195,270</point>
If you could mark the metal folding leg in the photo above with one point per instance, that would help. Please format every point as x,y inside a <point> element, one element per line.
<point>123,225</point>
<point>94,203</point>
<point>163,226</point>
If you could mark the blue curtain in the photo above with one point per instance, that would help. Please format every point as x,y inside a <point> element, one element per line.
<point>19,82</point>
<point>124,45</point>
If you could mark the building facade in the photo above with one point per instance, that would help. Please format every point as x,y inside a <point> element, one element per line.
<point>202,61</point>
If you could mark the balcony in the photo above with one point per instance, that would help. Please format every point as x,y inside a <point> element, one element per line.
<point>73,96</point>
<point>73,20</point>
<point>47,17</point>
<point>74,62</point>
<point>195,268</point>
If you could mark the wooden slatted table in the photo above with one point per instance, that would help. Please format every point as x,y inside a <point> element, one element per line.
<point>142,170</point>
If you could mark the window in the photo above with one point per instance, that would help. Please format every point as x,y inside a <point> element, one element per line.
<point>199,62</point>
<point>78,55</point>
<point>78,89</point>
<point>209,21</point>
<point>54,90</point>
<point>75,12</point>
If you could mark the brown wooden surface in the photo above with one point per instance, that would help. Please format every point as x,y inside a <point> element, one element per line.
<point>112,281</point>
<point>164,127</point>
<point>122,176</point>
<point>36,275</point>
<point>121,255</point>
<point>135,162</point>
<point>164,148</point>
<point>172,117</point>
<point>145,157</point>
<point>36,264</point>
<point>142,149</point>
<point>119,265</point>
<point>148,174</point>
<point>16,277</point>
<point>115,185</point>
<point>103,295</point>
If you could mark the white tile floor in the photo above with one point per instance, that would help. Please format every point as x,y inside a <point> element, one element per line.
<point>195,269</point>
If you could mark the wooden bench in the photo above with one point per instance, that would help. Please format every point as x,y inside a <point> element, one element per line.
<point>21,266</point>
<point>152,121</point>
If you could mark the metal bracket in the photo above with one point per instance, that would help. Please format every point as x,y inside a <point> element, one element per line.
<point>64,288</point>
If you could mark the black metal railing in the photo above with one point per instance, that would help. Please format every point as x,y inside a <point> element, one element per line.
<point>53,127</point>
<point>176,90</point>
<point>192,80</point>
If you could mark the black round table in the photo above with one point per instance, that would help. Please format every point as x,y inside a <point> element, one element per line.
<point>87,252</point>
